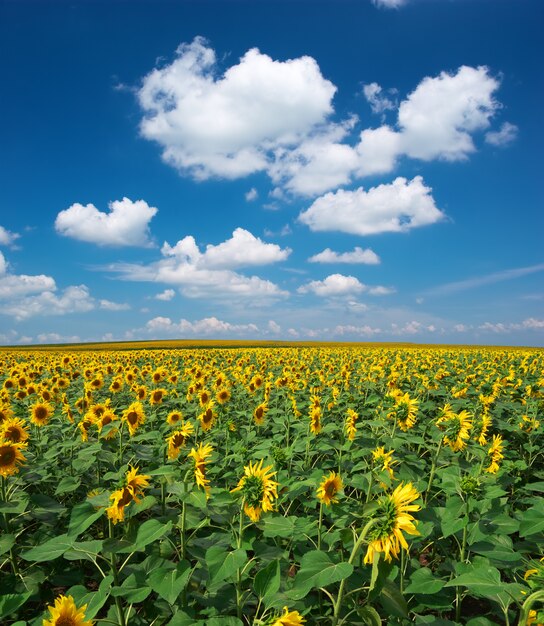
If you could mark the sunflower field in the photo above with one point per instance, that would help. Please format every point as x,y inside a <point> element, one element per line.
<point>272,486</point>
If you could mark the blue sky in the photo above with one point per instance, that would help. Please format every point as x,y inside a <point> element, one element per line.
<point>337,170</point>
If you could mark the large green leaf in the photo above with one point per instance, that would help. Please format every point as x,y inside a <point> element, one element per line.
<point>392,600</point>
<point>318,570</point>
<point>267,581</point>
<point>94,600</point>
<point>147,533</point>
<point>10,602</point>
<point>169,583</point>
<point>532,521</point>
<point>83,515</point>
<point>51,549</point>
<point>424,582</point>
<point>222,566</point>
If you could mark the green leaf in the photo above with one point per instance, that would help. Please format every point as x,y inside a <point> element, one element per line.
<point>132,590</point>
<point>147,533</point>
<point>6,543</point>
<point>422,581</point>
<point>393,601</point>
<point>317,570</point>
<point>10,602</point>
<point>483,581</point>
<point>267,581</point>
<point>279,526</point>
<point>169,583</point>
<point>51,549</point>
<point>83,515</point>
<point>67,485</point>
<point>221,567</point>
<point>224,621</point>
<point>94,600</point>
<point>84,550</point>
<point>370,616</point>
<point>532,521</point>
<point>182,619</point>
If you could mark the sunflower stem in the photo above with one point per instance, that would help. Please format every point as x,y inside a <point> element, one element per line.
<point>115,574</point>
<point>239,571</point>
<point>433,469</point>
<point>358,543</point>
<point>526,606</point>
<point>319,525</point>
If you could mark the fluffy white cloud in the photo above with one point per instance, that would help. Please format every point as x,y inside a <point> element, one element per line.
<point>358,255</point>
<point>503,327</point>
<point>165,295</point>
<point>333,285</point>
<point>381,291</point>
<point>273,327</point>
<point>3,265</point>
<point>14,286</point>
<point>210,125</point>
<point>57,338</point>
<point>161,326</point>
<point>209,274</point>
<point>396,207</point>
<point>502,137</point>
<point>73,299</point>
<point>126,224</point>
<point>108,305</point>
<point>389,4</point>
<point>350,329</point>
<point>7,238</point>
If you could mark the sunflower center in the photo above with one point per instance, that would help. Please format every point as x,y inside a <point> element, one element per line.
<point>178,440</point>
<point>65,620</point>
<point>207,416</point>
<point>330,489</point>
<point>7,456</point>
<point>13,434</point>
<point>40,413</point>
<point>132,418</point>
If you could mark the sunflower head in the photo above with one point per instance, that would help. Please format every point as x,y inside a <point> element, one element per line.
<point>40,413</point>
<point>288,618</point>
<point>10,457</point>
<point>14,430</point>
<point>258,489</point>
<point>329,488</point>
<point>65,613</point>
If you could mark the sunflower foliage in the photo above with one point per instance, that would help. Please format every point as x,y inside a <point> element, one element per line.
<point>278,486</point>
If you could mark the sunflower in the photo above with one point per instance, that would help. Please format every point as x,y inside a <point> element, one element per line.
<point>40,413</point>
<point>177,439</point>
<point>405,411</point>
<point>204,398</point>
<point>393,517</point>
<point>329,487</point>
<point>457,428</point>
<point>116,385</point>
<point>14,430</point>
<point>222,395</point>
<point>156,396</point>
<point>5,413</point>
<point>258,489</point>
<point>134,417</point>
<point>259,413</point>
<point>380,456</point>
<point>131,491</point>
<point>107,418</point>
<point>289,618</point>
<point>207,417</point>
<point>351,429</point>
<point>174,417</point>
<point>10,457</point>
<point>66,613</point>
<point>495,452</point>
<point>201,459</point>
<point>136,482</point>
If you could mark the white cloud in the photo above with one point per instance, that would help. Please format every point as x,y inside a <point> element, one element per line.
<point>381,291</point>
<point>507,327</point>
<point>502,137</point>
<point>3,265</point>
<point>126,224</point>
<point>7,238</point>
<point>378,102</point>
<point>165,295</point>
<point>211,125</point>
<point>389,4</point>
<point>14,286</point>
<point>73,299</point>
<point>358,255</point>
<point>396,207</point>
<point>107,305</point>
<point>333,285</point>
<point>209,274</point>
<point>160,326</point>
<point>57,338</point>
<point>350,329</point>
<point>273,327</point>
<point>251,195</point>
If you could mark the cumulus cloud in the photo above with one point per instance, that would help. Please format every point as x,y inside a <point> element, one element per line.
<point>504,136</point>
<point>57,338</point>
<point>275,117</point>
<point>358,255</point>
<point>381,291</point>
<point>164,326</point>
<point>530,323</point>
<point>165,295</point>
<point>226,125</point>
<point>126,224</point>
<point>350,329</point>
<point>73,299</point>
<point>333,285</point>
<point>210,273</point>
<point>396,207</point>
<point>7,238</point>
<point>251,195</point>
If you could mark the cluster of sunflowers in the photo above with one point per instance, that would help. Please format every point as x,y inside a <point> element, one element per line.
<point>351,438</point>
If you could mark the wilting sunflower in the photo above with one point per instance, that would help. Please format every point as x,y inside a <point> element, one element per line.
<point>156,396</point>
<point>201,458</point>
<point>136,482</point>
<point>134,417</point>
<point>10,457</point>
<point>177,440</point>
<point>66,613</point>
<point>495,452</point>
<point>405,411</point>
<point>259,413</point>
<point>394,517</point>
<point>258,490</point>
<point>329,487</point>
<point>289,618</point>
<point>13,430</point>
<point>131,491</point>
<point>40,413</point>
